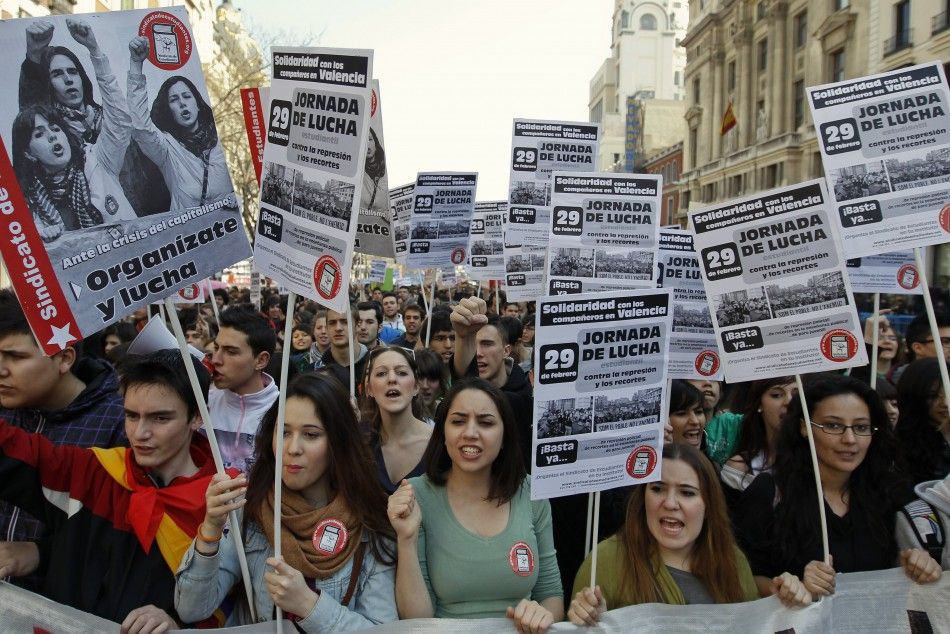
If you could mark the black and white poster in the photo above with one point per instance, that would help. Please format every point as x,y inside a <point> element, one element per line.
<point>115,190</point>
<point>374,235</point>
<point>693,350</point>
<point>321,103</point>
<point>538,149</point>
<point>486,242</point>
<point>400,207</point>
<point>599,394</point>
<point>442,207</point>
<point>885,145</point>
<point>603,232</point>
<point>892,273</point>
<point>776,284</point>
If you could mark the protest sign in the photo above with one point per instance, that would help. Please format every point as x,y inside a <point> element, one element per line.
<point>103,214</point>
<point>603,231</point>
<point>377,271</point>
<point>486,256</point>
<point>885,146</point>
<point>538,149</point>
<point>374,229</point>
<point>442,207</point>
<point>693,350</point>
<point>400,206</point>
<point>776,284</point>
<point>600,391</point>
<point>253,110</point>
<point>320,108</point>
<point>893,273</point>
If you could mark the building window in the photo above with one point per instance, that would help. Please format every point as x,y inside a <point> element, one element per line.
<point>902,30</point>
<point>731,76</point>
<point>801,29</point>
<point>624,20</point>
<point>837,65</point>
<point>696,90</point>
<point>799,92</point>
<point>693,142</point>
<point>669,210</point>
<point>763,55</point>
<point>648,22</point>
<point>676,78</point>
<point>760,10</point>
<point>838,5</point>
<point>817,169</point>
<point>128,4</point>
<point>773,175</point>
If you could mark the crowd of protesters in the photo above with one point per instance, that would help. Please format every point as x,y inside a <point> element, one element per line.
<point>412,498</point>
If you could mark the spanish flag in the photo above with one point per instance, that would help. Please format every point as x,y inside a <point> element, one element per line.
<point>728,120</point>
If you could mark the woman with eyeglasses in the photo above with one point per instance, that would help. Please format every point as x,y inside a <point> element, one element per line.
<point>923,423</point>
<point>398,437</point>
<point>863,488</point>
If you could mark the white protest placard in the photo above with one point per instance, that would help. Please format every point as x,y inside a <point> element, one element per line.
<point>442,207</point>
<point>486,243</point>
<point>320,107</point>
<point>892,273</point>
<point>776,284</point>
<point>374,234</point>
<point>90,232</point>
<point>400,206</point>
<point>693,350</point>
<point>377,271</point>
<point>603,231</point>
<point>538,149</point>
<point>256,288</point>
<point>885,146</point>
<point>599,394</point>
<point>449,276</point>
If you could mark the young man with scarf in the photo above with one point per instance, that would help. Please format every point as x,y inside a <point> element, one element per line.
<point>119,520</point>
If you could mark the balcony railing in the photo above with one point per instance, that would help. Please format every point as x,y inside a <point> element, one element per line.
<point>900,41</point>
<point>940,22</point>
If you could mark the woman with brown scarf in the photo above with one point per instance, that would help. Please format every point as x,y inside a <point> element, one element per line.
<point>337,570</point>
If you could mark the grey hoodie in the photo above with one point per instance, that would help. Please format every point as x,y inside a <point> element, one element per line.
<point>924,522</point>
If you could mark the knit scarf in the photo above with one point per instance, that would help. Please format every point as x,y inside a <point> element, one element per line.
<point>64,199</point>
<point>201,141</point>
<point>298,521</point>
<point>79,122</point>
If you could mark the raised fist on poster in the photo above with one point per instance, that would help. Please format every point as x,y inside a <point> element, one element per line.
<point>138,50</point>
<point>38,36</point>
<point>82,33</point>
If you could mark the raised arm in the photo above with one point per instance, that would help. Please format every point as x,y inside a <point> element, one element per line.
<point>414,596</point>
<point>468,317</point>
<point>33,86</point>
<point>149,137</point>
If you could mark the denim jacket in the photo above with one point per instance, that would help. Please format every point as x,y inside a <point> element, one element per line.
<point>202,582</point>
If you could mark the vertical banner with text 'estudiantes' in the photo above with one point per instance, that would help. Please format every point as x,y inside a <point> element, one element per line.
<point>318,125</point>
<point>885,147</point>
<point>776,284</point>
<point>254,124</point>
<point>599,394</point>
<point>114,191</point>
<point>442,207</point>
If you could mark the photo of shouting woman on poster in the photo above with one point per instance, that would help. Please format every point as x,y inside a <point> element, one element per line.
<point>178,134</point>
<point>80,190</point>
<point>375,170</point>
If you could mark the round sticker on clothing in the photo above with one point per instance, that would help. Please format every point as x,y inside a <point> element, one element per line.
<point>521,559</point>
<point>330,537</point>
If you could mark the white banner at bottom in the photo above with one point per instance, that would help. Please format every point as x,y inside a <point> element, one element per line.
<point>881,601</point>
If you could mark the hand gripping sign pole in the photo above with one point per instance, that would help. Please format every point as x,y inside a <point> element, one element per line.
<point>814,465</point>
<point>279,435</point>
<point>215,451</point>
<point>934,330</point>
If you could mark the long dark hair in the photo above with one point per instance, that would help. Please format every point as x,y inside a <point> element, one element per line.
<point>53,51</point>
<point>917,434</point>
<point>376,168</point>
<point>684,395</point>
<point>753,438</point>
<point>878,487</point>
<point>507,471</point>
<point>712,559</point>
<point>29,170</point>
<point>161,115</point>
<point>351,472</point>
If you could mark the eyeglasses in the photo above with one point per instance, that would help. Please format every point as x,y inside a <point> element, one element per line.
<point>838,429</point>
<point>944,341</point>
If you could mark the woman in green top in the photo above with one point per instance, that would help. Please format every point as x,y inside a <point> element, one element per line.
<point>674,548</point>
<point>471,543</point>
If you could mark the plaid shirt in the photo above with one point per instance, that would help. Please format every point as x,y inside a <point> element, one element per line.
<point>95,418</point>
